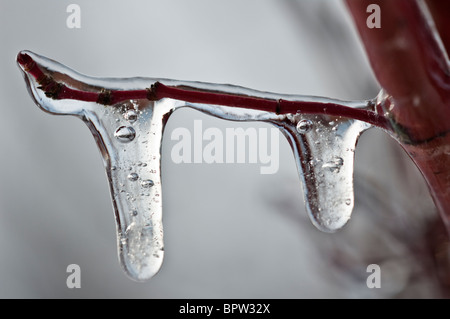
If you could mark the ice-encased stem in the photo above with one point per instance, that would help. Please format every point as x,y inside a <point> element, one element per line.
<point>131,146</point>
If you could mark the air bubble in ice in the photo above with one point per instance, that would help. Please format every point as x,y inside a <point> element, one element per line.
<point>147,183</point>
<point>334,164</point>
<point>131,116</point>
<point>133,177</point>
<point>125,134</point>
<point>303,126</point>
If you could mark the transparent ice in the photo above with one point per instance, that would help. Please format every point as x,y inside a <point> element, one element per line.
<point>325,156</point>
<point>129,135</point>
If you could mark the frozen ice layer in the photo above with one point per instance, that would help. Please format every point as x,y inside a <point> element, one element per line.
<point>127,119</point>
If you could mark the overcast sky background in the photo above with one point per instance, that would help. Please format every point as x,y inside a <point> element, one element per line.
<point>229,231</point>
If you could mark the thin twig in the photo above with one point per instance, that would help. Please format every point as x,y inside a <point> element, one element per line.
<point>158,91</point>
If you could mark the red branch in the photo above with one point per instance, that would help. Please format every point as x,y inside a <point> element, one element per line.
<point>158,91</point>
<point>414,70</point>
<point>440,11</point>
<point>409,64</point>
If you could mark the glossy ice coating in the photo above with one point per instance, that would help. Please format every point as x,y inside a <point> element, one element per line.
<point>129,136</point>
<point>325,157</point>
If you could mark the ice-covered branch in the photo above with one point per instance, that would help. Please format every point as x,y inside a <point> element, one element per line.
<point>127,118</point>
<point>190,93</point>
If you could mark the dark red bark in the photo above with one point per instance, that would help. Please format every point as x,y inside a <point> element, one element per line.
<point>413,68</point>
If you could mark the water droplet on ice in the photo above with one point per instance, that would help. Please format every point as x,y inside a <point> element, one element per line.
<point>133,177</point>
<point>125,134</point>
<point>304,126</point>
<point>147,183</point>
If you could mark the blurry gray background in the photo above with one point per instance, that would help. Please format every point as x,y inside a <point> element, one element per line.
<point>229,231</point>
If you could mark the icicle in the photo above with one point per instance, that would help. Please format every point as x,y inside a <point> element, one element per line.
<point>324,149</point>
<point>129,137</point>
